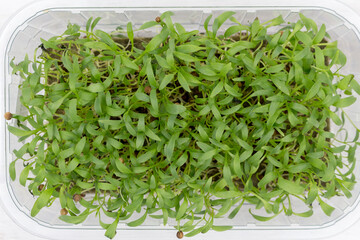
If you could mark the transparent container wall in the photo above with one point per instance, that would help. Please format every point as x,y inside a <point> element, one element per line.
<point>54,22</point>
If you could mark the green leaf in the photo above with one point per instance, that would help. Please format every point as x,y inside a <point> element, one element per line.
<point>231,110</point>
<point>140,139</point>
<point>355,86</point>
<point>188,48</point>
<point>219,21</point>
<point>206,23</point>
<point>80,146</point>
<point>128,63</point>
<point>261,218</point>
<point>186,57</point>
<point>299,108</point>
<point>27,148</point>
<point>151,134</point>
<point>281,85</point>
<point>24,175</point>
<point>277,51</point>
<point>325,207</point>
<point>207,155</point>
<point>304,38</point>
<point>19,132</point>
<point>75,219</point>
<point>146,156</point>
<point>239,46</point>
<point>183,82</point>
<point>320,35</point>
<point>87,204</point>
<point>301,54</point>
<point>344,83</point>
<point>72,165</point>
<point>152,182</point>
<point>304,214</point>
<point>106,186</point>
<point>97,45</point>
<point>217,89</point>
<point>290,186</point>
<point>157,40</point>
<point>66,153</point>
<point>319,58</point>
<point>148,25</point>
<point>121,167</point>
<point>194,232</point>
<point>12,170</point>
<point>345,102</point>
<point>175,108</point>
<point>41,201</point>
<point>309,23</point>
<point>128,125</point>
<point>67,62</point>
<point>221,228</point>
<point>62,197</point>
<point>165,81</point>
<point>139,221</point>
<point>106,38</point>
<point>95,87</point>
<point>162,62</point>
<point>271,176</point>
<point>150,74</point>
<point>111,229</point>
<point>234,29</point>
<point>182,209</point>
<point>206,70</point>
<point>130,33</point>
<point>227,174</point>
<point>292,118</point>
<point>94,23</point>
<point>115,112</point>
<point>275,69</point>
<point>181,160</point>
<point>169,147</point>
<point>276,21</point>
<point>207,226</point>
<point>53,106</point>
<point>313,90</point>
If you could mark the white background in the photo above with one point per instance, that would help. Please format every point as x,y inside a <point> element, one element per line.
<point>10,231</point>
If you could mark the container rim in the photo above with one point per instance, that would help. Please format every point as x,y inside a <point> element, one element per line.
<point>8,201</point>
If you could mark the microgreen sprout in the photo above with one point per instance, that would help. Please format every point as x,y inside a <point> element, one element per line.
<point>165,125</point>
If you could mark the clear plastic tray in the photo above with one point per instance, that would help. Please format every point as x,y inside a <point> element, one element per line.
<point>44,19</point>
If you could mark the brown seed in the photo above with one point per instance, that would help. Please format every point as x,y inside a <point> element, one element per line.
<point>83,195</point>
<point>41,187</point>
<point>121,160</point>
<point>180,234</point>
<point>147,89</point>
<point>158,19</point>
<point>77,197</point>
<point>8,116</point>
<point>63,211</point>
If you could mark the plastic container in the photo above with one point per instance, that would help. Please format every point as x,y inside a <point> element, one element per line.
<point>44,19</point>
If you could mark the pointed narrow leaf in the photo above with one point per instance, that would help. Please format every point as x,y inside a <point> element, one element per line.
<point>138,221</point>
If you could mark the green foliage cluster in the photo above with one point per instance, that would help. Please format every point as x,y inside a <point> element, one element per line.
<point>169,124</point>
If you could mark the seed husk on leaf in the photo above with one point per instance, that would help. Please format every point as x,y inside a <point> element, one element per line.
<point>8,116</point>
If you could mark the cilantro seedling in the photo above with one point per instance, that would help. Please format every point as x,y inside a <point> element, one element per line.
<point>120,124</point>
